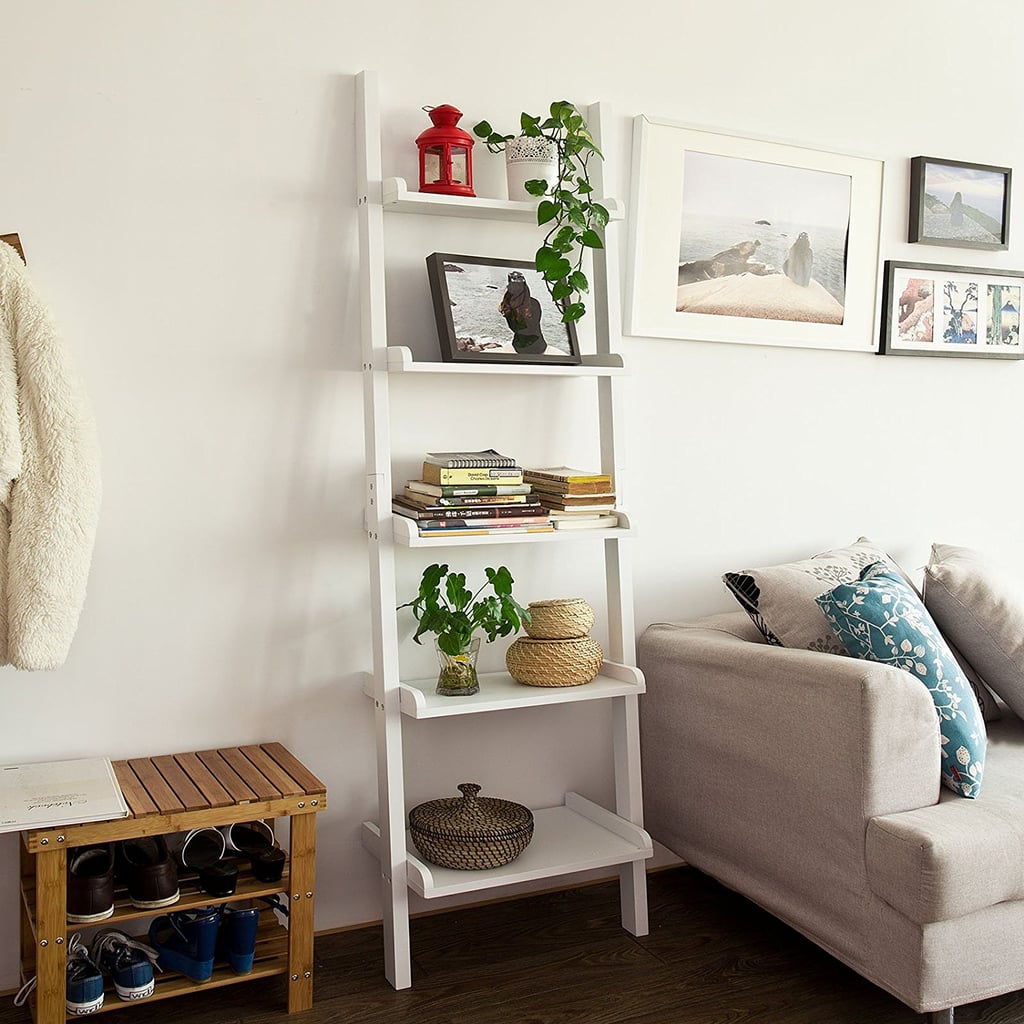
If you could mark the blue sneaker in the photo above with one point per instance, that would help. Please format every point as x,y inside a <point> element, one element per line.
<point>84,981</point>
<point>186,941</point>
<point>127,962</point>
<point>237,943</point>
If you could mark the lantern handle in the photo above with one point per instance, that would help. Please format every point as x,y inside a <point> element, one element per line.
<point>428,109</point>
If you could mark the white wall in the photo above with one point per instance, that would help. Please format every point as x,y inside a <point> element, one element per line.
<point>182,177</point>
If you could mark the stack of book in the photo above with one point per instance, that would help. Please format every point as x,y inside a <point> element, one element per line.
<point>576,500</point>
<point>471,493</point>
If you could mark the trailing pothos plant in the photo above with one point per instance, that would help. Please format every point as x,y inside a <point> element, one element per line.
<point>446,607</point>
<point>576,220</point>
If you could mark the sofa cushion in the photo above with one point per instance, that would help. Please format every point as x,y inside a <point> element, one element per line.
<point>981,610</point>
<point>780,598</point>
<point>955,857</point>
<point>880,618</point>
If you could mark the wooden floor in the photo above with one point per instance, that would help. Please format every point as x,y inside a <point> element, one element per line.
<point>562,958</point>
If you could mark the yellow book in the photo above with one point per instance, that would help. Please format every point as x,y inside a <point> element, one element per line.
<point>484,475</point>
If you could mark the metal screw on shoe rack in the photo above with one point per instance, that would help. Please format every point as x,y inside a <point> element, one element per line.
<point>309,895</point>
<point>44,942</point>
<point>60,839</point>
<point>43,842</point>
<point>313,803</point>
<point>308,974</point>
<point>295,977</point>
<point>60,940</point>
<point>296,896</point>
<point>302,803</point>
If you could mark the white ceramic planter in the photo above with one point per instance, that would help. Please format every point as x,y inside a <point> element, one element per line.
<point>527,159</point>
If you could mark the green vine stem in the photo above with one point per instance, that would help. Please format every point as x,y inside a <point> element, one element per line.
<point>574,218</point>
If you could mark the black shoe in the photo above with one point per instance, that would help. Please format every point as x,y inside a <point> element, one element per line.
<point>150,873</point>
<point>90,883</point>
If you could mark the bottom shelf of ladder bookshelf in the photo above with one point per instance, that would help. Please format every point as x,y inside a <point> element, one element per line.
<point>576,836</point>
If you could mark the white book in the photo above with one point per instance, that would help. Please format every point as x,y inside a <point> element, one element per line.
<point>588,523</point>
<point>59,793</point>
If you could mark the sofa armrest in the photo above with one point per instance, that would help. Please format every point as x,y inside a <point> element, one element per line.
<point>757,756</point>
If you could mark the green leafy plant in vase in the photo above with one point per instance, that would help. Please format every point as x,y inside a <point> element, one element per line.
<point>445,607</point>
<point>574,219</point>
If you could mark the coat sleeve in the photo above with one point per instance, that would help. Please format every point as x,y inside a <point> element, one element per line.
<point>53,505</point>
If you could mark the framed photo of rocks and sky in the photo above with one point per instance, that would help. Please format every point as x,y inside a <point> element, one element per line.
<point>750,240</point>
<point>966,205</point>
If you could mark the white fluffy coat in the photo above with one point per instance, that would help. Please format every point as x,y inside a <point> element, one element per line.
<point>49,480</point>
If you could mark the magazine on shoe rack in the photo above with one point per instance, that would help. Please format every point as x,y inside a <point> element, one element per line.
<point>59,793</point>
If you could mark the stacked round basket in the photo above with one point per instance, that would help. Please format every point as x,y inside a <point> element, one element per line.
<point>558,650</point>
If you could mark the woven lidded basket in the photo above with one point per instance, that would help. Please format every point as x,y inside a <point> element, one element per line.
<point>563,618</point>
<point>554,662</point>
<point>470,832</point>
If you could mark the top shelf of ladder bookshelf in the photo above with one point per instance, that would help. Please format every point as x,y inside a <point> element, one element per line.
<point>398,197</point>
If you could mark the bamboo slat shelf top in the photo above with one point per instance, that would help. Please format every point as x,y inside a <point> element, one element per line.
<point>175,792</point>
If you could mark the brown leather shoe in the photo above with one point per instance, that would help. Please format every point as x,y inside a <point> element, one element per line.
<point>150,873</point>
<point>90,883</point>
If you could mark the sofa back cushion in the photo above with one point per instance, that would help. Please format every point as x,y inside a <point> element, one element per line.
<point>880,618</point>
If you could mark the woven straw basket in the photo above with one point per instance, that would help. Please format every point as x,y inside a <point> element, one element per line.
<point>554,662</point>
<point>561,619</point>
<point>470,833</point>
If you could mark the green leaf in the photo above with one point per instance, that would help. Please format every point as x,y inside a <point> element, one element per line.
<point>599,215</point>
<point>458,595</point>
<point>562,290</point>
<point>560,268</point>
<point>579,281</point>
<point>546,211</point>
<point>528,123</point>
<point>591,239</point>
<point>545,258</point>
<point>483,129</point>
<point>501,579</point>
<point>536,186</point>
<point>583,187</point>
<point>573,312</point>
<point>563,239</point>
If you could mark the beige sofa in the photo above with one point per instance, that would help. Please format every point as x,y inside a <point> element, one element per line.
<point>809,782</point>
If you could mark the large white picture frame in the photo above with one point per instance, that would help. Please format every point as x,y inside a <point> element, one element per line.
<point>803,270</point>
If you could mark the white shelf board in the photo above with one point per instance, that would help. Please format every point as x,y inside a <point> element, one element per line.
<point>499,692</point>
<point>407,535</point>
<point>399,359</point>
<point>398,197</point>
<point>578,836</point>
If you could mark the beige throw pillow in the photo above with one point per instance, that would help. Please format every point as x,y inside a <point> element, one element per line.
<point>981,610</point>
<point>780,598</point>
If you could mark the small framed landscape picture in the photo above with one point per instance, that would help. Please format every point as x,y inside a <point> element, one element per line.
<point>965,205</point>
<point>930,310</point>
<point>497,311</point>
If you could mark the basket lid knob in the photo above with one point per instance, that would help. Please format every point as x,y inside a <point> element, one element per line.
<point>469,790</point>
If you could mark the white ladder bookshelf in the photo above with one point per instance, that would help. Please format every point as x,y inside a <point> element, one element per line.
<point>577,835</point>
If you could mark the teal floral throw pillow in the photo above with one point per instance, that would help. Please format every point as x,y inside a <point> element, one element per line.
<point>880,618</point>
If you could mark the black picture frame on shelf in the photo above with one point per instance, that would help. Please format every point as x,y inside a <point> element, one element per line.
<point>959,204</point>
<point>491,310</point>
<point>934,310</point>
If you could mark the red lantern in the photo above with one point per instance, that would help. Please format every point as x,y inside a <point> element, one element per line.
<point>446,158</point>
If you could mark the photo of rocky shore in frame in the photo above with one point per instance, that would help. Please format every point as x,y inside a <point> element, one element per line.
<point>959,204</point>
<point>763,240</point>
<point>958,311</point>
<point>497,311</point>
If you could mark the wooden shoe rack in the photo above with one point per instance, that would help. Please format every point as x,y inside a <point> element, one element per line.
<point>175,793</point>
